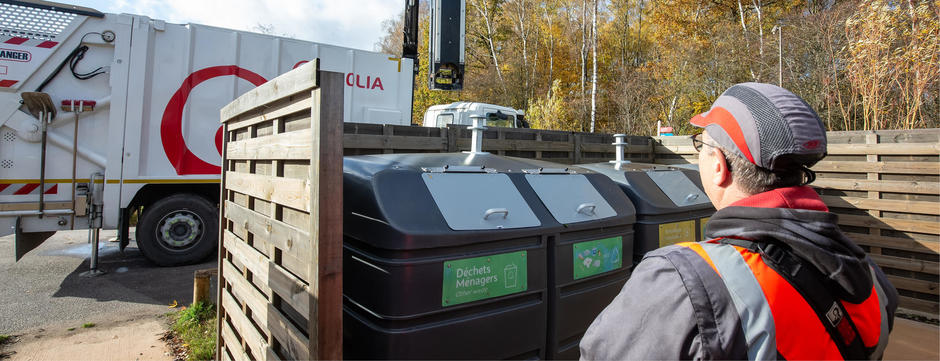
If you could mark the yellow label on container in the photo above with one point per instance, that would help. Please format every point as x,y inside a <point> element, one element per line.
<point>703,221</point>
<point>672,233</point>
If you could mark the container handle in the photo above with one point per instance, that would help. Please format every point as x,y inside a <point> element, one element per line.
<point>492,211</point>
<point>587,207</point>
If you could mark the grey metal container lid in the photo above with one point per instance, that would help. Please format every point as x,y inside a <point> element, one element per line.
<point>657,189</point>
<point>420,201</point>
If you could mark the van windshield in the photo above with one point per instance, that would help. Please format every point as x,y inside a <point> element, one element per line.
<point>499,120</point>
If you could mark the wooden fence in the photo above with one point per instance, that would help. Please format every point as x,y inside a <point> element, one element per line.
<point>885,185</point>
<point>280,255</point>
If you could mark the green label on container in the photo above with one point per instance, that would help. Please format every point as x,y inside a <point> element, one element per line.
<point>472,279</point>
<point>599,256</point>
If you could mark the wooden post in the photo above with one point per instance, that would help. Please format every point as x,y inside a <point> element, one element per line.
<point>325,323</point>
<point>873,139</point>
<point>201,281</point>
<point>576,148</point>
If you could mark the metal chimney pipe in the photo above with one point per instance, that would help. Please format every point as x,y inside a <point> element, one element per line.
<point>620,143</point>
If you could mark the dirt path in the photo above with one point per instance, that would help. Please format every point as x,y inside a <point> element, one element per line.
<point>129,339</point>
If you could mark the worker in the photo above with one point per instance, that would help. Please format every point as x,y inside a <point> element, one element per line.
<point>775,278</point>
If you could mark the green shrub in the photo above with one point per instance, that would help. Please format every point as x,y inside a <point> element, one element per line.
<point>196,328</point>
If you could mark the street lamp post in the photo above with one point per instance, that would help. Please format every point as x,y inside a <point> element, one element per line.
<point>779,30</point>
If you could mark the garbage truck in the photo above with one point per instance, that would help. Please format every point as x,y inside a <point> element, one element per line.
<point>104,115</point>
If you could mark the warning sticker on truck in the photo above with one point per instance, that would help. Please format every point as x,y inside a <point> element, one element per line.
<point>473,279</point>
<point>675,232</point>
<point>596,257</point>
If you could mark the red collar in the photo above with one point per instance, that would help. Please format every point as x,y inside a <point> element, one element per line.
<point>801,197</point>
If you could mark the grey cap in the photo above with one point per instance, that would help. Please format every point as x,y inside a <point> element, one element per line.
<point>767,125</point>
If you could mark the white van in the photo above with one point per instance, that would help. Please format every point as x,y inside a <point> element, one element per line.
<point>460,112</point>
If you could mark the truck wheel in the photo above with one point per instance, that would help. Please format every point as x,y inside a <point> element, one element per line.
<point>178,230</point>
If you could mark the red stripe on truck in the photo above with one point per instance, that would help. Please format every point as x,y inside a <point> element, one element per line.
<point>47,44</point>
<point>6,83</point>
<point>27,189</point>
<point>16,41</point>
<point>53,190</point>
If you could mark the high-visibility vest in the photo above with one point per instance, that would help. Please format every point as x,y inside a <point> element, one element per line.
<point>778,321</point>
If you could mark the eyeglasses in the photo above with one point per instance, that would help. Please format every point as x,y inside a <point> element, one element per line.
<point>697,142</point>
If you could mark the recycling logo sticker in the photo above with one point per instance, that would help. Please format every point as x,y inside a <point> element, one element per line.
<point>596,257</point>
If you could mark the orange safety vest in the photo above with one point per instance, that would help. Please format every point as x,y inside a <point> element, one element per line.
<point>776,318</point>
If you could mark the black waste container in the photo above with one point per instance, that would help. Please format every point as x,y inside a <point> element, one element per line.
<point>671,205</point>
<point>447,256</point>
<point>589,260</point>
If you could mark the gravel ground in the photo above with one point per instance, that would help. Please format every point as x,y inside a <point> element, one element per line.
<point>46,288</point>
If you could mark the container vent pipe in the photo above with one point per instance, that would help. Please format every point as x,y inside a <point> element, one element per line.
<point>476,138</point>
<point>620,142</point>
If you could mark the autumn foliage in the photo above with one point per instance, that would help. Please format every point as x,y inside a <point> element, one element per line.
<point>862,64</point>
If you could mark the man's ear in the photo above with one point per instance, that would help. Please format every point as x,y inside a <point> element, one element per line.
<point>721,177</point>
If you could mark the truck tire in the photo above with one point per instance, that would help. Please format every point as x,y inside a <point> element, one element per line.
<point>178,230</point>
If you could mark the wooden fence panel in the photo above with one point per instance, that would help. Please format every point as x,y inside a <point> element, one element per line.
<point>885,185</point>
<point>280,248</point>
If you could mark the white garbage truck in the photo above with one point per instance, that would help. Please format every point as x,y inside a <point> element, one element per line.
<point>102,115</point>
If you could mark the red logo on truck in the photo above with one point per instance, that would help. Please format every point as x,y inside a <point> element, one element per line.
<point>370,83</point>
<point>171,127</point>
<point>353,79</point>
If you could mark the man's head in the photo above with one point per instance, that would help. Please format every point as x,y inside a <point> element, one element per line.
<point>757,137</point>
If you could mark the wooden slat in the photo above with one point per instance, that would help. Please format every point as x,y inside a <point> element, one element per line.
<point>232,343</point>
<point>879,167</point>
<point>370,141</point>
<point>291,145</point>
<point>879,186</point>
<point>885,149</point>
<point>512,144</point>
<point>903,244</point>
<point>919,305</point>
<point>608,148</point>
<point>907,264</point>
<point>258,344</point>
<point>914,285</point>
<point>264,313</point>
<point>907,225</point>
<point>291,262</point>
<point>919,207</point>
<point>294,193</point>
<point>295,81</point>
<point>676,149</point>
<point>282,235</point>
<point>283,108</point>
<point>290,288</point>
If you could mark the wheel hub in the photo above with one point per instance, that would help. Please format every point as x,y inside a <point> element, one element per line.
<point>180,229</point>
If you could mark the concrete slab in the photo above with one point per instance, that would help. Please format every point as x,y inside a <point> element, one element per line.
<point>912,340</point>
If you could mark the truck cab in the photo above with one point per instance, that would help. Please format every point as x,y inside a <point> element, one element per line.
<point>460,112</point>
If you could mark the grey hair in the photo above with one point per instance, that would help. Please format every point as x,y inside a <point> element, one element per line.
<point>753,179</point>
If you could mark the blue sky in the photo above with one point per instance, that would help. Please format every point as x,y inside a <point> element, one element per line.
<point>352,23</point>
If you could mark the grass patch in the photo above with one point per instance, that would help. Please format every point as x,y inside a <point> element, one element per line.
<point>88,325</point>
<point>70,329</point>
<point>5,338</point>
<point>196,328</point>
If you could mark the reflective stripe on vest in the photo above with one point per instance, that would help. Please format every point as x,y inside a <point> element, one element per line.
<point>756,316</point>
